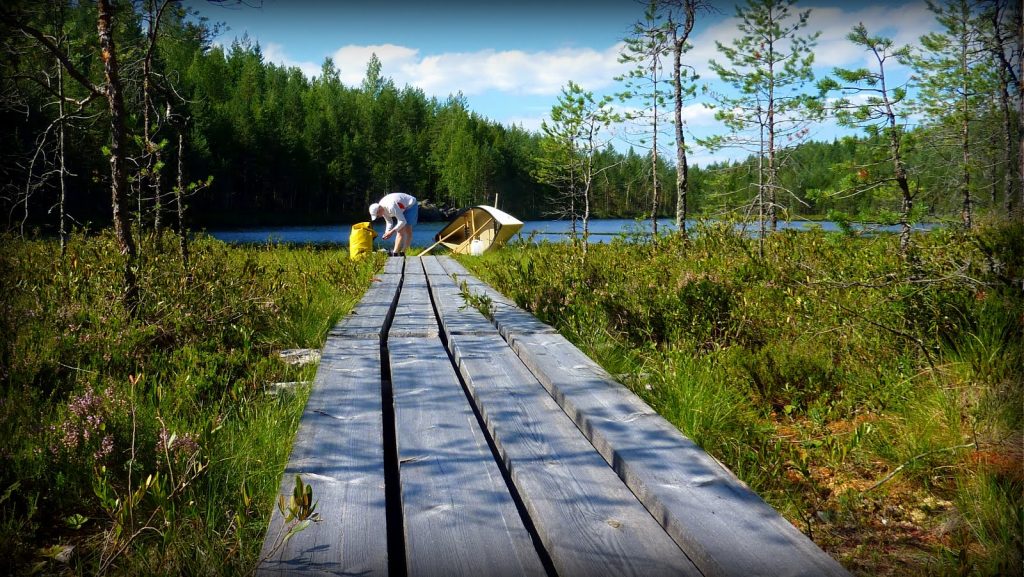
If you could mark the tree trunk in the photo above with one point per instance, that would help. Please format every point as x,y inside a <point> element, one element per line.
<point>772,170</point>
<point>586,218</point>
<point>899,169</point>
<point>965,134</point>
<point>147,127</point>
<point>60,161</point>
<point>152,150</point>
<point>760,191</point>
<point>1008,165</point>
<point>682,170</point>
<point>118,180</point>
<point>654,153</point>
<point>1019,26</point>
<point>179,192</point>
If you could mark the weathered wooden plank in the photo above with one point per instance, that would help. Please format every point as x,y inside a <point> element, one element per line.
<point>338,450</point>
<point>724,527</point>
<point>506,315</point>
<point>432,267</point>
<point>394,265</point>
<point>504,312</point>
<point>368,318</point>
<point>589,522</point>
<point>382,289</point>
<point>640,462</point>
<point>362,322</point>
<point>457,317</point>
<point>461,276</point>
<point>459,516</point>
<point>452,266</point>
<point>414,315</point>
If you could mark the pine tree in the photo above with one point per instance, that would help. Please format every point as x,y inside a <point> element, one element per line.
<point>955,80</point>
<point>768,64</point>
<point>680,18</point>
<point>880,110</point>
<point>572,140</point>
<point>1002,37</point>
<point>646,49</point>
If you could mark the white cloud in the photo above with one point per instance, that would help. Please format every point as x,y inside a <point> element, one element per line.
<point>352,60</point>
<point>517,76</point>
<point>275,53</point>
<point>903,23</point>
<point>512,71</point>
<point>697,114</point>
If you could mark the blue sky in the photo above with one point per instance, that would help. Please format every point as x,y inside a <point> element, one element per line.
<point>511,59</point>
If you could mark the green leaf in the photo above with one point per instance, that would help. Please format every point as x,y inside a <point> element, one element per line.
<point>7,494</point>
<point>76,521</point>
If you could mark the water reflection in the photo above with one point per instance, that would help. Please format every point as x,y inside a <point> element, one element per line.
<point>601,230</point>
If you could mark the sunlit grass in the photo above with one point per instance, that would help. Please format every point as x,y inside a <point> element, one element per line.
<point>181,395</point>
<point>868,398</point>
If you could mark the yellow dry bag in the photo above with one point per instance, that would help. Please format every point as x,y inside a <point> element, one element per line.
<point>360,240</point>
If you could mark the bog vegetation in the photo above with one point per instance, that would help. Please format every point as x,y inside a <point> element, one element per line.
<point>153,442</point>
<point>874,401</point>
<point>868,387</point>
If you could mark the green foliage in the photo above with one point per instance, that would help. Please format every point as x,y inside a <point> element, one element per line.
<point>480,302</point>
<point>769,56</point>
<point>571,147</point>
<point>767,65</point>
<point>882,113</point>
<point>838,380</point>
<point>153,443</point>
<point>284,148</point>
<point>300,506</point>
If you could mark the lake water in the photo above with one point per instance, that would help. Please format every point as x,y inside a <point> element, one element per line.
<point>551,230</point>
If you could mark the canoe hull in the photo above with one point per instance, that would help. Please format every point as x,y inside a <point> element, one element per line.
<point>490,226</point>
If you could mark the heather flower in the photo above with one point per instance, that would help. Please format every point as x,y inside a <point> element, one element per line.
<point>178,445</point>
<point>106,448</point>
<point>84,425</point>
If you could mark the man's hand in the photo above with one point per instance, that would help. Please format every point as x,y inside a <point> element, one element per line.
<point>387,235</point>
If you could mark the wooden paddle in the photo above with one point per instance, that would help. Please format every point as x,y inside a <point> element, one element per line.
<point>446,237</point>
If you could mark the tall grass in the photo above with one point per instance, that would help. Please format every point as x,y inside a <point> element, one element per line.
<point>874,400</point>
<point>153,443</point>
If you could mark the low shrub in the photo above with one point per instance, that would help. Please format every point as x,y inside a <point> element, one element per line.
<point>871,397</point>
<point>150,442</point>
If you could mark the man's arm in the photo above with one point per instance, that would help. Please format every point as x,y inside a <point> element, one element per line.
<point>400,221</point>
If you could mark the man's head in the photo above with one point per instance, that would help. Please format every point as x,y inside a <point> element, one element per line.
<point>374,211</point>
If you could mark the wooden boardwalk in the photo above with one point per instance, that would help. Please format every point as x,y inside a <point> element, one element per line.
<point>442,442</point>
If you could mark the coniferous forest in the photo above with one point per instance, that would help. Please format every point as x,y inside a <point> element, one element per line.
<point>264,144</point>
<point>868,387</point>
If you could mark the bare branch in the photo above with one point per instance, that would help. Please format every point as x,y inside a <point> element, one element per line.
<point>51,47</point>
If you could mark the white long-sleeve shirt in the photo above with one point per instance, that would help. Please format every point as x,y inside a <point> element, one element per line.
<point>394,206</point>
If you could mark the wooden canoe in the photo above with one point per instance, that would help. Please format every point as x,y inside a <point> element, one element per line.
<point>490,226</point>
